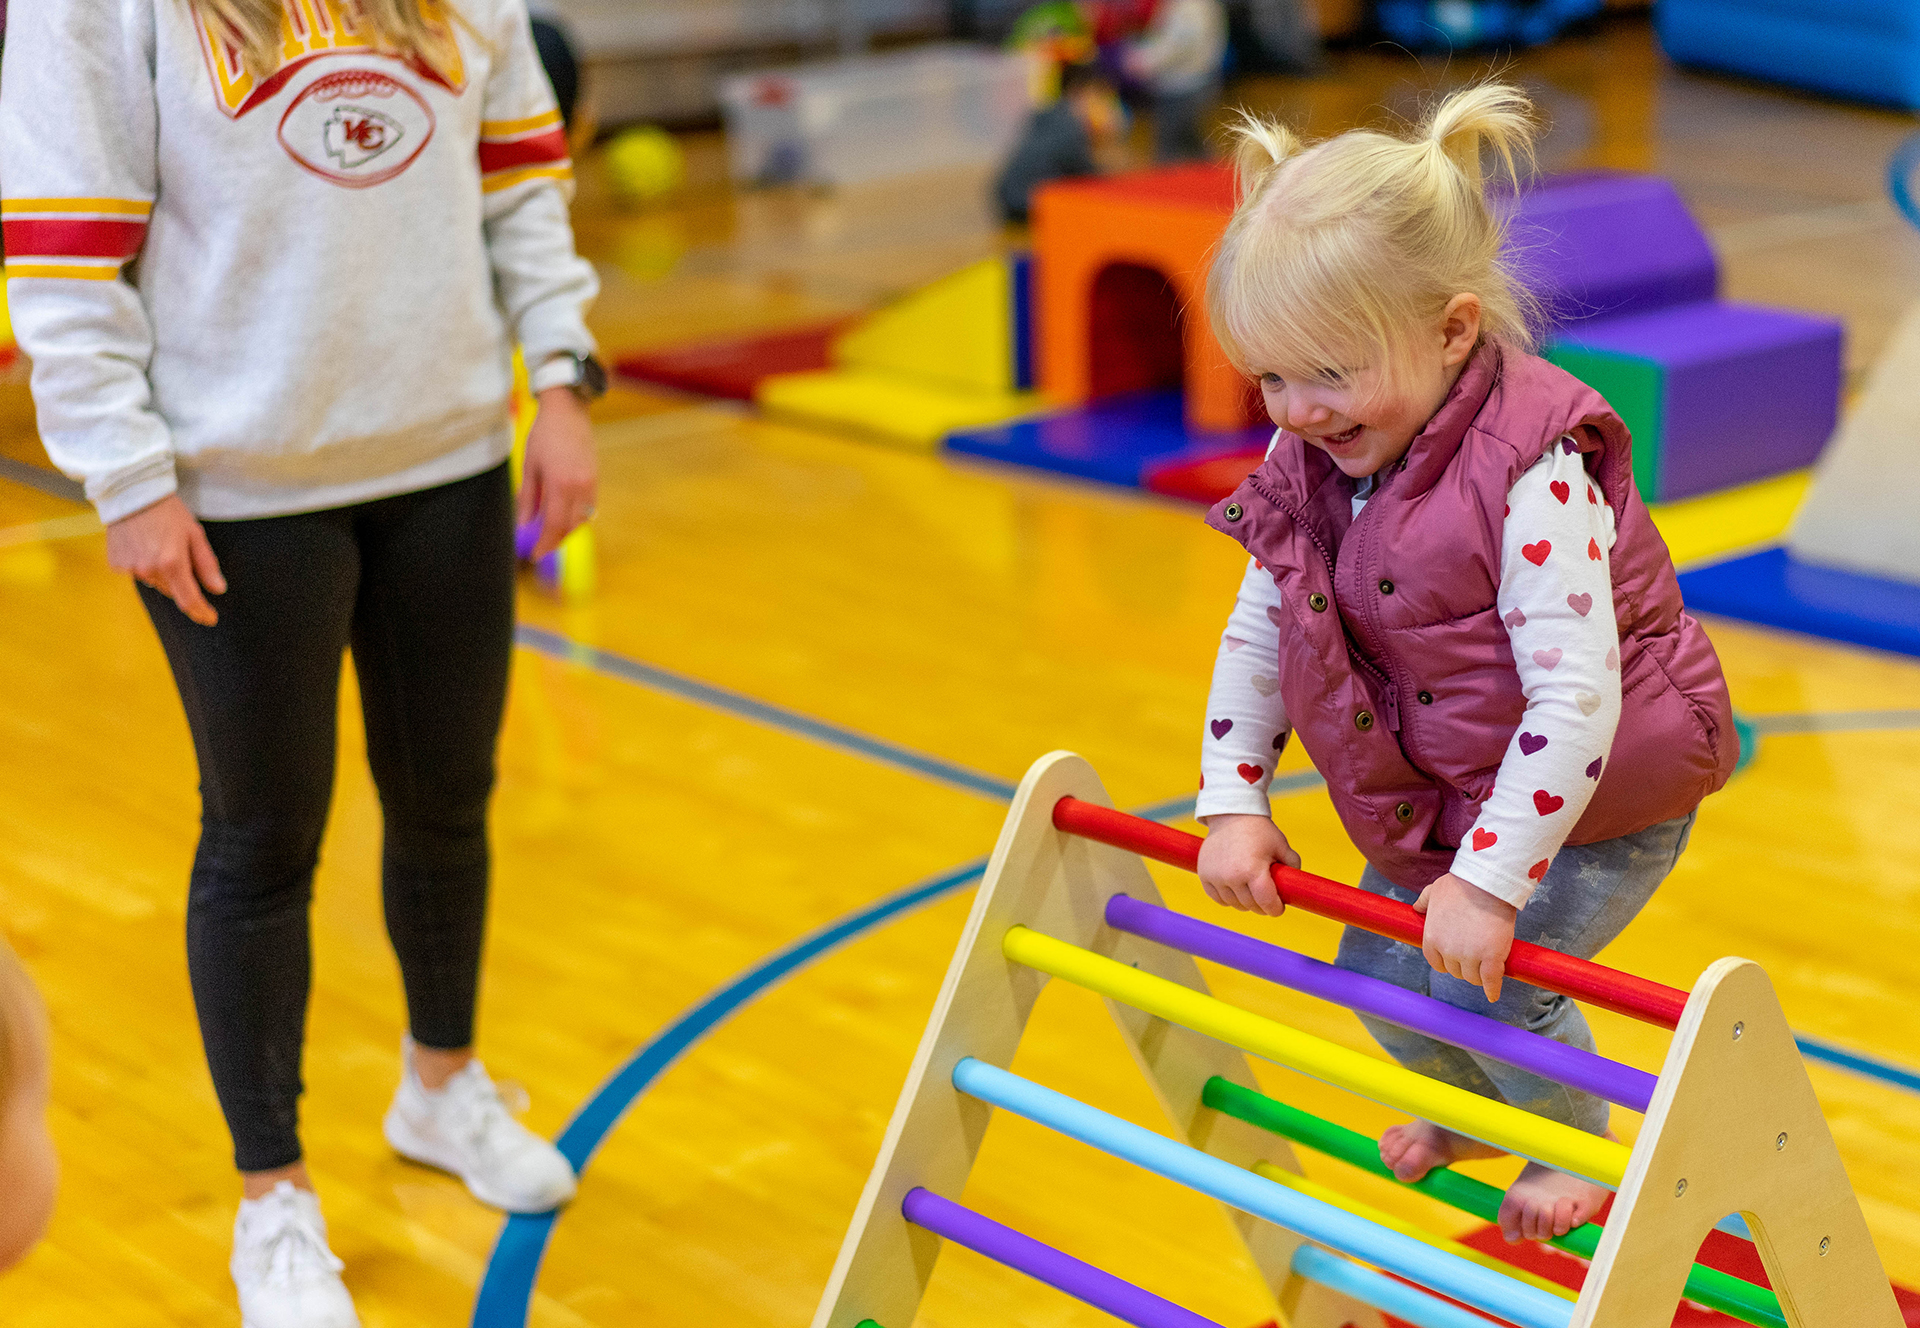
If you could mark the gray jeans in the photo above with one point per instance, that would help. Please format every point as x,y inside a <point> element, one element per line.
<point>1587,898</point>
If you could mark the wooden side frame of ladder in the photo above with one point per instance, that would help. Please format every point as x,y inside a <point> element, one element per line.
<point>1723,1102</point>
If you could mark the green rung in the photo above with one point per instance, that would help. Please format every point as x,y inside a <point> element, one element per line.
<point>1709,1286</point>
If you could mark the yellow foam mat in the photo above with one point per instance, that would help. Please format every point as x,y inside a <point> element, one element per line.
<point>955,332</point>
<point>902,410</point>
<point>1717,524</point>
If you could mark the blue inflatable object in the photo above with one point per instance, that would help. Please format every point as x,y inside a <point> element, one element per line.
<point>1865,50</point>
<point>1459,24</point>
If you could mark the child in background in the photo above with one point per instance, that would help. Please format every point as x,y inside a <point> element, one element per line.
<point>28,1170</point>
<point>1456,597</point>
<point>1062,139</point>
<point>1180,59</point>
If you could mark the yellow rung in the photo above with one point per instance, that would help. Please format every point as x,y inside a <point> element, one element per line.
<point>1326,1194</point>
<point>1548,1142</point>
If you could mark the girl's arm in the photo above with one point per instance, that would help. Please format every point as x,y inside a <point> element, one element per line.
<point>543,285</point>
<point>1246,729</point>
<point>79,137</point>
<point>1556,599</point>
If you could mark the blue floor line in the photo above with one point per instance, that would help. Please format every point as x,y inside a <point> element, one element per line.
<point>1872,1067</point>
<point>556,646</point>
<point>506,1291</point>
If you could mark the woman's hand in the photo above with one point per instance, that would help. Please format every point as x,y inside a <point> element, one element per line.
<point>1468,932</point>
<point>164,546</point>
<point>1236,862</point>
<point>560,479</point>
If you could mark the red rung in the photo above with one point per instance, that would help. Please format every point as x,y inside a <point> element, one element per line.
<point>1608,988</point>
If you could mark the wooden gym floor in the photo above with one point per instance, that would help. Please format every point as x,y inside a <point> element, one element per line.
<point>653,841</point>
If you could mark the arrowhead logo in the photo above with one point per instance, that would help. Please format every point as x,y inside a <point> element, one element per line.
<point>355,135</point>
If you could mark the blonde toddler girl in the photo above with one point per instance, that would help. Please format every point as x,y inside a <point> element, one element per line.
<point>1455,597</point>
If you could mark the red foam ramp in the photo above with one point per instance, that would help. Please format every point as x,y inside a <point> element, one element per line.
<point>734,368</point>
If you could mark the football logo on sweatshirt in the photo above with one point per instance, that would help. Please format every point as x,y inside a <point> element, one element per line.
<point>356,128</point>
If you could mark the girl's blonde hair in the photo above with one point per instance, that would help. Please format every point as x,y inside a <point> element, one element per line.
<point>1339,251</point>
<point>413,29</point>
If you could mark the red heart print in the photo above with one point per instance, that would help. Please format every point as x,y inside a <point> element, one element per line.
<point>1593,770</point>
<point>1543,802</point>
<point>1593,550</point>
<point>1506,511</point>
<point>1548,659</point>
<point>1277,618</point>
<point>1233,645</point>
<point>1514,619</point>
<point>1536,553</point>
<point>1221,728</point>
<point>1613,658</point>
<point>1590,496</point>
<point>1484,839</point>
<point>1538,870</point>
<point>1531,743</point>
<point>1561,490</point>
<point>1252,773</point>
<point>1580,604</point>
<point>1203,782</point>
<point>1568,446</point>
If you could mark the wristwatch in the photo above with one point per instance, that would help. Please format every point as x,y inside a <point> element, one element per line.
<point>586,375</point>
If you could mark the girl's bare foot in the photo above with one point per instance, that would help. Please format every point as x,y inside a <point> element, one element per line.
<point>1414,1149</point>
<point>1545,1203</point>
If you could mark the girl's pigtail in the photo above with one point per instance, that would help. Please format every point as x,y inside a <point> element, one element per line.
<point>1497,115</point>
<point>1260,148</point>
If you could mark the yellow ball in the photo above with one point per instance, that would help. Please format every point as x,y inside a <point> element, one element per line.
<point>644,163</point>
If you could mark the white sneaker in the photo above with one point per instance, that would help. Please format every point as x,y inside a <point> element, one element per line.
<point>465,1128</point>
<point>286,1275</point>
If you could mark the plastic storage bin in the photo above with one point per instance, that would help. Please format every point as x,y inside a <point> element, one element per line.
<point>872,117</point>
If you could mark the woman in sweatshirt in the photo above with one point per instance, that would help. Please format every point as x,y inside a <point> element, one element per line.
<point>270,264</point>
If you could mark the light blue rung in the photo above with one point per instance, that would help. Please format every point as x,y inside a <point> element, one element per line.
<point>1516,1302</point>
<point>1734,1225</point>
<point>1409,1304</point>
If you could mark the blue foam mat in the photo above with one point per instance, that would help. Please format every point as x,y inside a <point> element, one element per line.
<point>1772,589</point>
<point>1121,440</point>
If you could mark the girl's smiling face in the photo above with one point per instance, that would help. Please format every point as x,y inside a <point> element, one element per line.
<point>1362,422</point>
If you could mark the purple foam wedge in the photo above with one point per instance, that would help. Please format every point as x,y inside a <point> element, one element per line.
<point>1598,245</point>
<point>1102,1290</point>
<point>1517,1047</point>
<point>1745,391</point>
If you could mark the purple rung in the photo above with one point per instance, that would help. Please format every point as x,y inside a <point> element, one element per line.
<point>1102,1290</point>
<point>1517,1047</point>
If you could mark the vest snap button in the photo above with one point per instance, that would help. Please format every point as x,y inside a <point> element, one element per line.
<point>1404,811</point>
<point>1233,512</point>
<point>1317,602</point>
<point>1363,721</point>
<point>1386,587</point>
<point>1426,698</point>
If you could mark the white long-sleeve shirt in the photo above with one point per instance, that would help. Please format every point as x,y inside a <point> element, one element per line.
<point>1555,598</point>
<point>284,294</point>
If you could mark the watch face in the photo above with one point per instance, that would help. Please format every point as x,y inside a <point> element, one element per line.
<point>593,377</point>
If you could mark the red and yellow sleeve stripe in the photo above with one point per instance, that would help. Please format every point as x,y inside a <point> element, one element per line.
<point>80,239</point>
<point>515,151</point>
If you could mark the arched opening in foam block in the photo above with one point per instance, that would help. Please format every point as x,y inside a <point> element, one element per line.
<point>1135,330</point>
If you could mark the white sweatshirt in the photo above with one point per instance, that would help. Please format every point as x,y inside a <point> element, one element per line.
<point>283,295</point>
<point>1558,613</point>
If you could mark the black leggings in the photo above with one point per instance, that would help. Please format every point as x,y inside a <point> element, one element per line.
<point>421,586</point>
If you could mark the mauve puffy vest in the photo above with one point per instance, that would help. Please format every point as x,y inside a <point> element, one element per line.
<point>1407,698</point>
